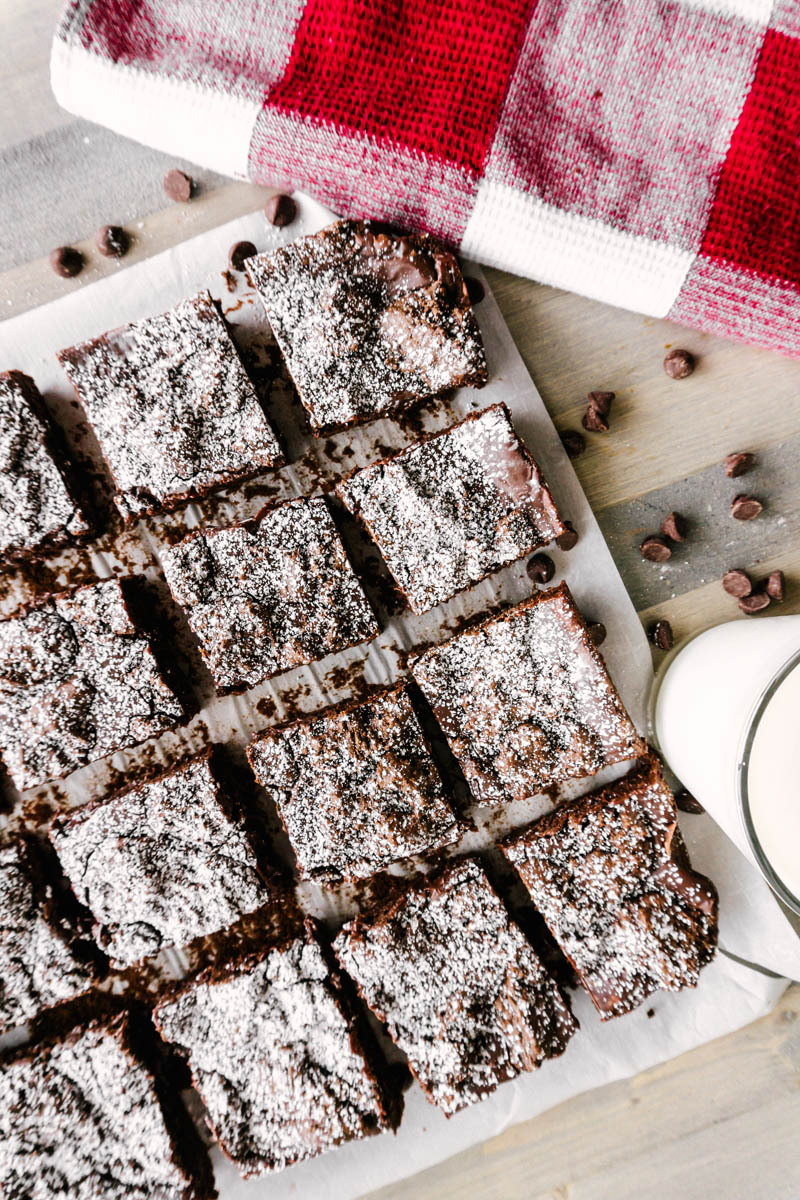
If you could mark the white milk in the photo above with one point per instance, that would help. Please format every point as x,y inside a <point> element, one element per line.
<point>703,709</point>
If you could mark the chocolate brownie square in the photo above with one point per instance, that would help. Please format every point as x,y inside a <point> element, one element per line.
<point>172,407</point>
<point>268,594</point>
<point>42,962</point>
<point>278,1058</point>
<point>77,681</point>
<point>525,700</point>
<point>39,511</point>
<point>457,985</point>
<point>612,880</point>
<point>369,321</point>
<point>161,862</point>
<point>85,1117</point>
<point>355,786</point>
<point>452,508</point>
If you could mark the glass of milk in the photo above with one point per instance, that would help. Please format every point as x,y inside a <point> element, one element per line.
<point>726,717</point>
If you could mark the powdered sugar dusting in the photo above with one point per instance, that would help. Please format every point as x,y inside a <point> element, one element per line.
<point>459,987</point>
<point>450,509</point>
<point>76,682</point>
<point>525,700</point>
<point>270,595</point>
<point>356,787</point>
<point>604,873</point>
<point>172,407</point>
<point>368,321</point>
<point>271,1054</point>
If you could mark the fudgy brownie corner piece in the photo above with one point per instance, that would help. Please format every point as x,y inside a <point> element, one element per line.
<point>172,407</point>
<point>42,960</point>
<point>78,680</point>
<point>39,509</point>
<point>269,594</point>
<point>356,786</point>
<point>162,862</point>
<point>87,1116</point>
<point>615,886</point>
<point>277,1057</point>
<point>525,700</point>
<point>457,985</point>
<point>369,321</point>
<point>454,507</point>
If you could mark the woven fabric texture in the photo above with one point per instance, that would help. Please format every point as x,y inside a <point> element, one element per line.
<point>641,152</point>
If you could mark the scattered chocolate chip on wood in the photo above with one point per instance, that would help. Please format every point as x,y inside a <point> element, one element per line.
<point>736,582</point>
<point>675,527</point>
<point>573,442</point>
<point>679,364</point>
<point>738,464</point>
<point>661,635</point>
<point>568,539</point>
<point>595,419</point>
<point>775,586</point>
<point>596,631</point>
<point>280,210</point>
<point>655,549</point>
<point>112,241</point>
<point>66,261</point>
<point>755,602</point>
<point>687,803</point>
<point>178,185</point>
<point>745,508</point>
<point>541,568</point>
<point>239,252</point>
<point>475,289</point>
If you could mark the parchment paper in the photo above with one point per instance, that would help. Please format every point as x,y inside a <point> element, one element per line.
<point>753,929</point>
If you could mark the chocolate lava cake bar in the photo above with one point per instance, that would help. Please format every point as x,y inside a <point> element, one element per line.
<point>355,786</point>
<point>452,508</point>
<point>269,594</point>
<point>39,511</point>
<point>613,882</point>
<point>161,862</point>
<point>42,961</point>
<point>77,681</point>
<point>525,700</point>
<point>172,408</point>
<point>457,985</point>
<point>369,321</point>
<point>278,1057</point>
<point>85,1117</point>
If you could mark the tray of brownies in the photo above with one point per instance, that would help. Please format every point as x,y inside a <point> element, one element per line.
<point>329,820</point>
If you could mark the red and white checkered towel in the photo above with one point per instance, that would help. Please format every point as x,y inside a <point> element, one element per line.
<point>642,152</point>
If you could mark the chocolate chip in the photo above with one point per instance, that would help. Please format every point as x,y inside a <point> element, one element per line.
<point>687,803</point>
<point>475,289</point>
<point>655,549</point>
<point>597,632</point>
<point>573,442</point>
<point>675,526</point>
<point>595,419</point>
<point>601,401</point>
<point>775,587</point>
<point>238,252</point>
<point>541,568</point>
<point>112,241</point>
<point>745,508</point>
<point>661,635</point>
<point>66,261</point>
<point>736,582</point>
<point>755,602</point>
<point>568,539</point>
<point>679,364</point>
<point>280,210</point>
<point>738,464</point>
<point>178,185</point>
<point>651,1012</point>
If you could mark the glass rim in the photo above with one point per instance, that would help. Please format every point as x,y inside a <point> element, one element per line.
<point>743,799</point>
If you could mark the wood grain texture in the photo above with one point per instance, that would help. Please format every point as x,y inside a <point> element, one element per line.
<point>720,1123</point>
